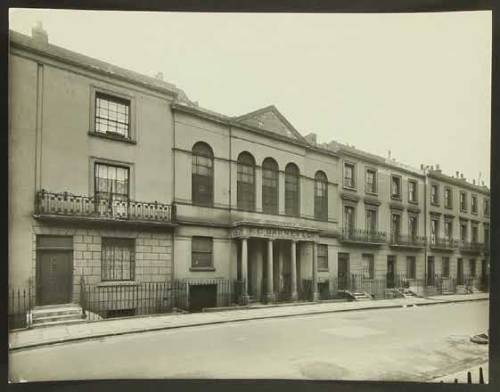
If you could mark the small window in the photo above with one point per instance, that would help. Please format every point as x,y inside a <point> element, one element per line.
<point>445,267</point>
<point>486,207</point>
<point>349,217</point>
<point>463,201</point>
<point>435,194</point>
<point>434,230</point>
<point>474,204</point>
<point>201,252</point>
<point>371,181</point>
<point>349,180</point>
<point>118,259</point>
<point>323,257</point>
<point>411,267</point>
<point>396,187</point>
<point>412,191</point>
<point>367,266</point>
<point>112,115</point>
<point>448,199</point>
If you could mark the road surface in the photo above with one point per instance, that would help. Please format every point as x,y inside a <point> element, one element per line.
<point>404,344</point>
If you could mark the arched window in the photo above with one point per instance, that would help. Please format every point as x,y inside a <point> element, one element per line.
<point>246,182</point>
<point>320,196</point>
<point>270,173</point>
<point>202,177</point>
<point>292,189</point>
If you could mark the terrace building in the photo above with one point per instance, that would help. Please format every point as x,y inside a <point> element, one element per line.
<point>118,180</point>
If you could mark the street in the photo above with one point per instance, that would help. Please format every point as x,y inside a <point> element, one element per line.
<point>404,344</point>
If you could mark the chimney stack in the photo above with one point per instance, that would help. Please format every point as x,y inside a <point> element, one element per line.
<point>159,76</point>
<point>473,182</point>
<point>39,35</point>
<point>457,173</point>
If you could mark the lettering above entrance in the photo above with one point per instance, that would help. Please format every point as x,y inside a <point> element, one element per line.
<point>274,233</point>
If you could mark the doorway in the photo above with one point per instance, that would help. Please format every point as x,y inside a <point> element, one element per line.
<point>343,271</point>
<point>391,271</point>
<point>55,277</point>
<point>460,271</point>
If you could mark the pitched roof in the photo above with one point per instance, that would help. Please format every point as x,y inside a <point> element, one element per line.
<point>270,119</point>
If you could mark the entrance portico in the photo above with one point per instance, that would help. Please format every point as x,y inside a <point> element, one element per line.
<point>269,265</point>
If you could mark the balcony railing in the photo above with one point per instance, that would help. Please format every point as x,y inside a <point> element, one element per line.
<point>64,204</point>
<point>443,243</point>
<point>471,246</point>
<point>363,236</point>
<point>411,241</point>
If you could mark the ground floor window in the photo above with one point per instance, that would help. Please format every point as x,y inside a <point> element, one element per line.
<point>201,252</point>
<point>411,267</point>
<point>323,257</point>
<point>367,266</point>
<point>445,267</point>
<point>118,259</point>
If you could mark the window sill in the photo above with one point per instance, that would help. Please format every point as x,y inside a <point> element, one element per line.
<point>396,197</point>
<point>375,194</point>
<point>350,188</point>
<point>323,269</point>
<point>413,202</point>
<point>434,204</point>
<point>196,269</point>
<point>117,283</point>
<point>112,137</point>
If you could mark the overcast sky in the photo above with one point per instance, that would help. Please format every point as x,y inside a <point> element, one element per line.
<point>415,84</point>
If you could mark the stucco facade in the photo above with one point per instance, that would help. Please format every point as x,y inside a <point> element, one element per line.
<point>328,201</point>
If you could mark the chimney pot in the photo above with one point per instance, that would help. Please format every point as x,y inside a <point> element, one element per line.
<point>39,34</point>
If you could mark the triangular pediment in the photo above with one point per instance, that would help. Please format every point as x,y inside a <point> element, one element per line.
<point>270,119</point>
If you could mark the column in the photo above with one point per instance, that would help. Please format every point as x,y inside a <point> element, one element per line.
<point>314,289</point>
<point>244,271</point>
<point>293,271</point>
<point>280,267</point>
<point>270,288</point>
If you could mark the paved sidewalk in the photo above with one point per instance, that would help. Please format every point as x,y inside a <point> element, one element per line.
<point>41,336</point>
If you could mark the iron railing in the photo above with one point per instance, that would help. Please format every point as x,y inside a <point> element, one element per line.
<point>349,234</point>
<point>70,205</point>
<point>442,243</point>
<point>471,246</point>
<point>407,241</point>
<point>20,305</point>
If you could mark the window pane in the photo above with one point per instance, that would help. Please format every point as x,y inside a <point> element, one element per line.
<point>117,259</point>
<point>112,115</point>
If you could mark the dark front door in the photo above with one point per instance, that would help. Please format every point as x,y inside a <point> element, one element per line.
<point>202,296</point>
<point>460,272</point>
<point>55,277</point>
<point>430,271</point>
<point>391,271</point>
<point>343,271</point>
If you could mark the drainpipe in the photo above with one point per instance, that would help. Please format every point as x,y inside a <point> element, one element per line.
<point>425,227</point>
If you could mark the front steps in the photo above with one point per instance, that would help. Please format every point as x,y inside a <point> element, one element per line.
<point>44,316</point>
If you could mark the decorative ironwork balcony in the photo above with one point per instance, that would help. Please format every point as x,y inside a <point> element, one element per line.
<point>471,246</point>
<point>362,236</point>
<point>443,243</point>
<point>407,241</point>
<point>67,205</point>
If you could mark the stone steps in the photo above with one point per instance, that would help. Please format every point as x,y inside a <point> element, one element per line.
<point>56,315</point>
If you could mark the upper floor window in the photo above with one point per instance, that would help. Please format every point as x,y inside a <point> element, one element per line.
<point>292,188</point>
<point>413,226</point>
<point>349,180</point>
<point>434,194</point>
<point>486,207</point>
<point>371,220</point>
<point>463,201</point>
<point>117,259</point>
<point>396,187</point>
<point>448,229</point>
<point>371,181</point>
<point>320,196</point>
<point>246,182</point>
<point>202,174</point>
<point>395,226</point>
<point>434,230</point>
<point>112,115</point>
<point>463,231</point>
<point>448,200</point>
<point>111,187</point>
<point>474,233</point>
<point>201,252</point>
<point>412,191</point>
<point>349,217</point>
<point>270,175</point>
<point>474,204</point>
<point>323,257</point>
<point>486,235</point>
